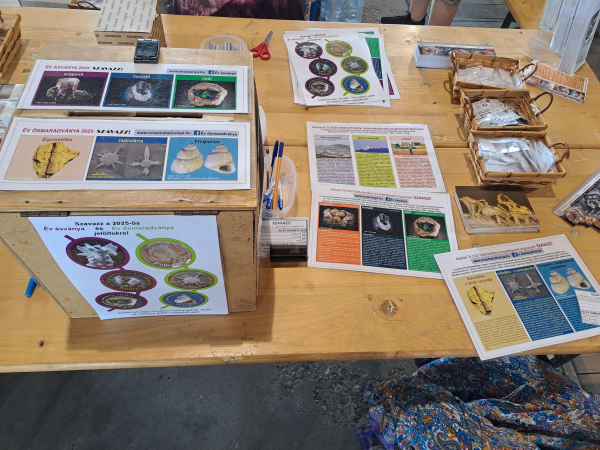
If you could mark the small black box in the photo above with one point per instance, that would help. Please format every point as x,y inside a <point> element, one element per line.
<point>146,51</point>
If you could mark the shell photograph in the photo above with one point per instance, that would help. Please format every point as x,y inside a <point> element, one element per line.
<point>199,158</point>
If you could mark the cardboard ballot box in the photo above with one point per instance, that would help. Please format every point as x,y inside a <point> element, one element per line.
<point>236,211</point>
<point>122,22</point>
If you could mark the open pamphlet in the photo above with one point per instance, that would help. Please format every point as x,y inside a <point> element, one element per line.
<point>394,156</point>
<point>377,230</point>
<point>117,86</point>
<point>139,266</point>
<point>73,154</point>
<point>519,296</point>
<point>333,67</point>
<point>557,83</point>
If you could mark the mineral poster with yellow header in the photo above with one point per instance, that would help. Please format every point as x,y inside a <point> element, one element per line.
<point>519,296</point>
<point>391,156</point>
<point>139,266</point>
<point>60,154</point>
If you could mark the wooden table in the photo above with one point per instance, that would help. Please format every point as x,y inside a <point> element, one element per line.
<point>527,13</point>
<point>303,313</point>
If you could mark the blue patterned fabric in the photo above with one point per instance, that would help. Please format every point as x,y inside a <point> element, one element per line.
<point>516,402</point>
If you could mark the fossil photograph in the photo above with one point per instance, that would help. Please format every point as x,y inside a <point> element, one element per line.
<point>524,284</point>
<point>195,92</point>
<point>165,254</point>
<point>80,89</point>
<point>425,227</point>
<point>128,281</point>
<point>119,300</point>
<point>140,91</point>
<point>116,158</point>
<point>494,207</point>
<point>198,158</point>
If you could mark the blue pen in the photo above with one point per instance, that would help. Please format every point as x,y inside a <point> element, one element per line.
<point>274,155</point>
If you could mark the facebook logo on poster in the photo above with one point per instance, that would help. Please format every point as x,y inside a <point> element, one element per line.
<point>211,72</point>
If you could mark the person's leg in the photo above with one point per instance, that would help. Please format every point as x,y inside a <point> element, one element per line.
<point>418,9</point>
<point>416,16</point>
<point>442,12</point>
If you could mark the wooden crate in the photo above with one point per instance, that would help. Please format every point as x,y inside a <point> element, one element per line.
<point>520,99</point>
<point>524,179</point>
<point>237,211</point>
<point>461,60</point>
<point>12,40</point>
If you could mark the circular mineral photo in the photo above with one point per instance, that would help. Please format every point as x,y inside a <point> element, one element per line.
<point>97,253</point>
<point>121,300</point>
<point>355,85</point>
<point>322,67</point>
<point>192,279</point>
<point>183,299</point>
<point>338,48</point>
<point>320,87</point>
<point>354,64</point>
<point>163,253</point>
<point>128,281</point>
<point>308,50</point>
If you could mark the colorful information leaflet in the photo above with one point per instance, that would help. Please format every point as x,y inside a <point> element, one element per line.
<point>139,266</point>
<point>373,155</point>
<point>519,296</point>
<point>383,231</point>
<point>115,86</point>
<point>60,154</point>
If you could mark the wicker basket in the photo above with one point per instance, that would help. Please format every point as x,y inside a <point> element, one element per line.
<point>523,179</point>
<point>11,42</point>
<point>83,4</point>
<point>461,60</point>
<point>520,99</point>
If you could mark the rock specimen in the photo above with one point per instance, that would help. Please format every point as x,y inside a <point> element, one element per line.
<point>66,91</point>
<point>482,299</point>
<point>189,159</point>
<point>427,227</point>
<point>206,94</point>
<point>220,160</point>
<point>50,158</point>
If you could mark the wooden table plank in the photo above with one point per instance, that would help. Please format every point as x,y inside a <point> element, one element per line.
<point>527,13</point>
<point>303,313</point>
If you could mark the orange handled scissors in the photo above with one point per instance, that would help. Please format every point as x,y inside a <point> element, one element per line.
<point>262,51</point>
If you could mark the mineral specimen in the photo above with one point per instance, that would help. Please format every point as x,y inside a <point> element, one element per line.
<point>382,222</point>
<point>338,218</point>
<point>141,91</point>
<point>427,227</point>
<point>189,159</point>
<point>220,160</point>
<point>206,94</point>
<point>50,158</point>
<point>66,91</point>
<point>482,299</point>
<point>98,256</point>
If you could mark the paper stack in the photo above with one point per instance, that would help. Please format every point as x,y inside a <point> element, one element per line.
<point>437,56</point>
<point>340,67</point>
<point>550,15</point>
<point>580,36</point>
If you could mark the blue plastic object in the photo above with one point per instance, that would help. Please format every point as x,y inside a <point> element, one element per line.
<point>30,287</point>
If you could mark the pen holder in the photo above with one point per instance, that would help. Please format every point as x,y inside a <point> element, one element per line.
<point>288,187</point>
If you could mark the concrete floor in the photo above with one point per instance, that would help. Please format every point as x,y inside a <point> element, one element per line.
<point>314,405</point>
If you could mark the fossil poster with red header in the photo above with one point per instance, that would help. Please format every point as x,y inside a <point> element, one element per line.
<point>139,266</point>
<point>115,86</point>
<point>53,154</point>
